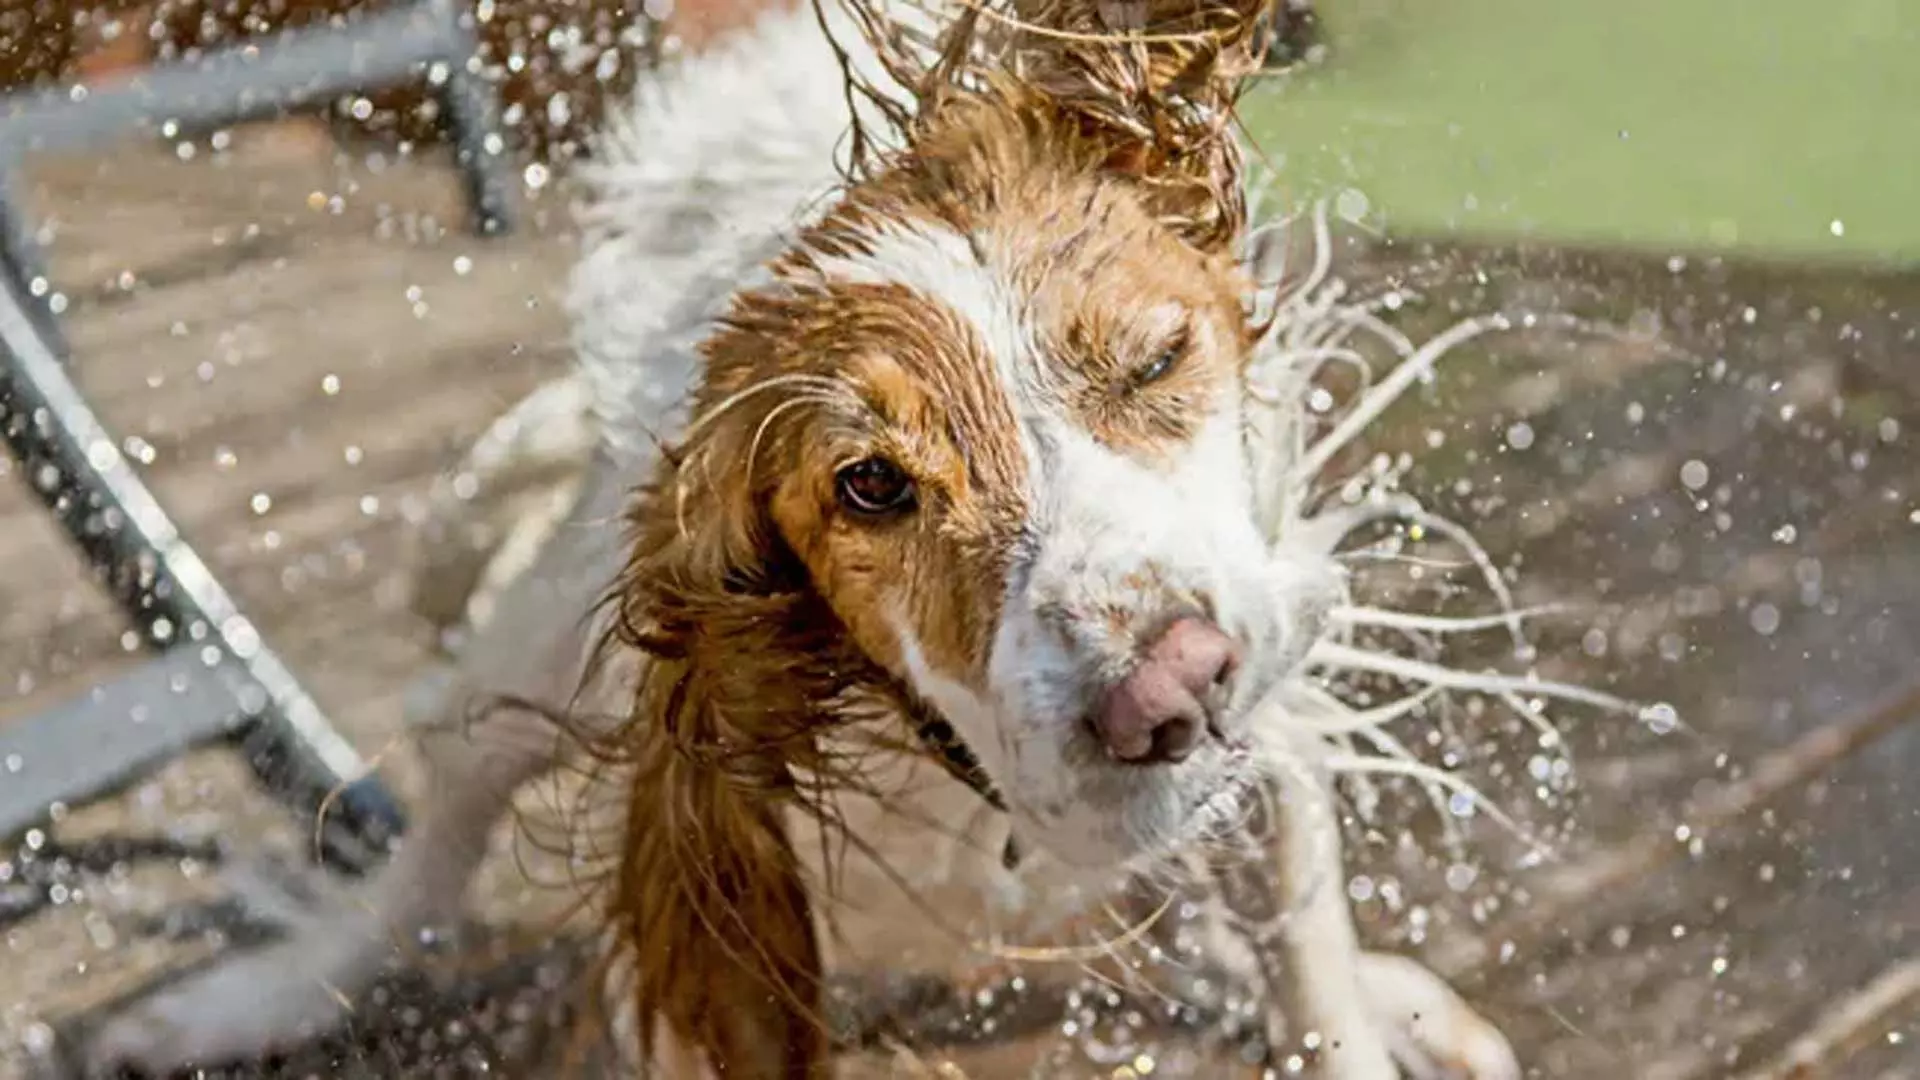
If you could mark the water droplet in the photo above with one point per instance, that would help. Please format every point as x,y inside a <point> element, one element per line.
<point>1660,717</point>
<point>1786,534</point>
<point>252,698</point>
<point>1765,619</point>
<point>330,384</point>
<point>1520,435</point>
<point>1695,474</point>
<point>261,502</point>
<point>38,1039</point>
<point>1594,642</point>
<point>1837,227</point>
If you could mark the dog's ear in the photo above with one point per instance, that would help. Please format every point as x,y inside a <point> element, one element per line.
<point>1157,80</point>
<point>1147,86</point>
<point>709,901</point>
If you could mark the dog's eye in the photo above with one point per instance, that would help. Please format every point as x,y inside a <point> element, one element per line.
<point>874,486</point>
<point>1162,363</point>
<point>1157,368</point>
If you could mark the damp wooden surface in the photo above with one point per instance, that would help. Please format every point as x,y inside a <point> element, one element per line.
<point>1724,460</point>
<point>300,346</point>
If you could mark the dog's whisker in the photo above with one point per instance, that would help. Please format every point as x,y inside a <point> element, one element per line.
<point>1440,624</point>
<point>1370,555</point>
<point>1077,954</point>
<point>1334,655</point>
<point>1454,785</point>
<point>1416,366</point>
<point>1340,718</point>
<point>1391,748</point>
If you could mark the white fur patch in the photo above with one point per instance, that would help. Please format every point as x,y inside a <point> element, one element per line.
<point>944,267</point>
<point>1113,535</point>
<point>684,202</point>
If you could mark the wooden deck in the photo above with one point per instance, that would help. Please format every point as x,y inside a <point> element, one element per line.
<point>1726,461</point>
<point>301,350</point>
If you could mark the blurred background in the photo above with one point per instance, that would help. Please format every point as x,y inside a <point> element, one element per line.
<point>293,329</point>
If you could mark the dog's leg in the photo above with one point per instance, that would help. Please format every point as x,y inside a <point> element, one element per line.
<point>307,984</point>
<point>1310,948</point>
<point>1435,1034</point>
<point>1359,1014</point>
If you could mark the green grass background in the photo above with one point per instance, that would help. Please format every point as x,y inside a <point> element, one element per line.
<point>1683,125</point>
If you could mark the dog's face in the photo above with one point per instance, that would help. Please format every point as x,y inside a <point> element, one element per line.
<point>1002,436</point>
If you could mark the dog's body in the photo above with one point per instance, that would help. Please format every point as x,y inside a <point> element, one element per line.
<point>1108,669</point>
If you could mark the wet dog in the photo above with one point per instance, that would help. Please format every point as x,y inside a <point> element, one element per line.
<point>964,565</point>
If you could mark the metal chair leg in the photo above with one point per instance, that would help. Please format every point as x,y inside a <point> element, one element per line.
<point>214,678</point>
<point>77,470</point>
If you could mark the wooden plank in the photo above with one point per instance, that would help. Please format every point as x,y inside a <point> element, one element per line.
<point>207,370</point>
<point>317,293</point>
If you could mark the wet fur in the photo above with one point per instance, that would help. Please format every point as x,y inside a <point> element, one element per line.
<point>764,707</point>
<point>747,662</point>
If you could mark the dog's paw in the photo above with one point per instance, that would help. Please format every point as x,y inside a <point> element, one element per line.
<point>235,1010</point>
<point>1432,1032</point>
<point>256,1002</point>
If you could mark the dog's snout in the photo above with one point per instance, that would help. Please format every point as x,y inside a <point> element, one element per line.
<point>1160,711</point>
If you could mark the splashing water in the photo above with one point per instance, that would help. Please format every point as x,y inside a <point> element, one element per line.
<point>1308,512</point>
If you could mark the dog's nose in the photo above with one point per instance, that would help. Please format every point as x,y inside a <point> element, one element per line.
<point>1158,713</point>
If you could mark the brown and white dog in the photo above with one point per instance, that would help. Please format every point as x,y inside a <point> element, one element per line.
<point>966,567</point>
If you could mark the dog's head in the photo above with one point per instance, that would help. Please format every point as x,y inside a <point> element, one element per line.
<point>990,416</point>
<point>979,447</point>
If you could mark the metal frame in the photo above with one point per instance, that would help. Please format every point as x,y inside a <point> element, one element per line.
<point>212,678</point>
<point>297,69</point>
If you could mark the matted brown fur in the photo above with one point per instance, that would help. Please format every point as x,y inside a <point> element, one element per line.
<point>748,664</point>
